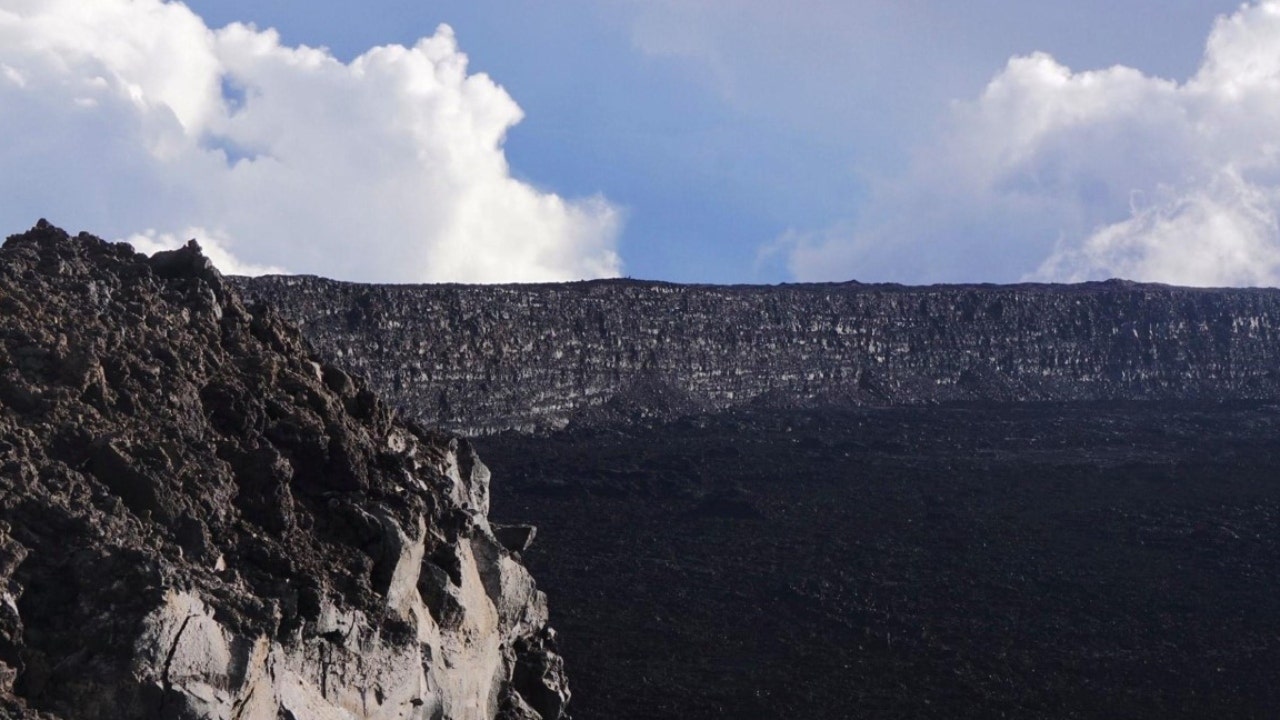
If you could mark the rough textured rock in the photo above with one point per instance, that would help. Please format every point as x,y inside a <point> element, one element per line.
<point>481,359</point>
<point>970,561</point>
<point>199,519</point>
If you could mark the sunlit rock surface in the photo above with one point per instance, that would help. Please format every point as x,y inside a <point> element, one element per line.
<point>199,519</point>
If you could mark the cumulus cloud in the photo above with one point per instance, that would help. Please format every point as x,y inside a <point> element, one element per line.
<point>1223,234</point>
<point>133,119</point>
<point>212,245</point>
<point>1053,174</point>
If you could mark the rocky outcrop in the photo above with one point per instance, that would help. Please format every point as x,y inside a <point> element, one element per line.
<point>199,519</point>
<point>480,359</point>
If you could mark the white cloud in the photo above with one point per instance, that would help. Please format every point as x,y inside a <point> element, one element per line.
<point>1223,234</point>
<point>1059,175</point>
<point>214,246</point>
<point>133,114</point>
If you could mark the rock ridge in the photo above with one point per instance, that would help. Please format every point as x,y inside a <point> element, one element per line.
<point>201,518</point>
<point>483,359</point>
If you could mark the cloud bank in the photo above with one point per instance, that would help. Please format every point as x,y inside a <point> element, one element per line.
<point>134,120</point>
<point>1053,174</point>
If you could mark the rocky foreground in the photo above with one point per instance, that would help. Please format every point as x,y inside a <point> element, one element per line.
<point>199,519</point>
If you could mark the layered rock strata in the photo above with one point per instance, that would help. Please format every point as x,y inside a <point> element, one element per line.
<point>201,519</point>
<point>481,359</point>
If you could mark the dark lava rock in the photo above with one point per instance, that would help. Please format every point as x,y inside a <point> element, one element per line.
<point>482,359</point>
<point>1058,560</point>
<point>198,518</point>
<point>847,500</point>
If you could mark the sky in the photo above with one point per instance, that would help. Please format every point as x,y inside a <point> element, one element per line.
<point>686,140</point>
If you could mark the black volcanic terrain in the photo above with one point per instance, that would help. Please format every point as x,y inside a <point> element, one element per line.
<point>821,501</point>
<point>854,501</point>
<point>481,359</point>
<point>1090,560</point>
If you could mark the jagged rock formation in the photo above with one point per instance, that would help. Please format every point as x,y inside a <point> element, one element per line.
<point>199,519</point>
<point>485,359</point>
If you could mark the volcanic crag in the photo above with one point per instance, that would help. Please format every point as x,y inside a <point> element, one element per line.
<point>199,518</point>
<point>864,501</point>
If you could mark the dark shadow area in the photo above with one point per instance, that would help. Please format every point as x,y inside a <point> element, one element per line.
<point>973,561</point>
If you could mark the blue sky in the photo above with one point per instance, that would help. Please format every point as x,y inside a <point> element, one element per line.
<point>703,141</point>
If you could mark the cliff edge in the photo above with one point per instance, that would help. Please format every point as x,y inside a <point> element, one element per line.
<point>483,359</point>
<point>198,518</point>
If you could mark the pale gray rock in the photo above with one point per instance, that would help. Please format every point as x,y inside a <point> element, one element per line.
<point>201,519</point>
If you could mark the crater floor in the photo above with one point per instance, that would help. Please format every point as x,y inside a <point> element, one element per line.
<point>1081,560</point>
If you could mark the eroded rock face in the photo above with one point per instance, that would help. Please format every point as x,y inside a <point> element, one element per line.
<point>199,519</point>
<point>482,359</point>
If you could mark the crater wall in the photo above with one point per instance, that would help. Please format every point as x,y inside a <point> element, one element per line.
<point>481,359</point>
